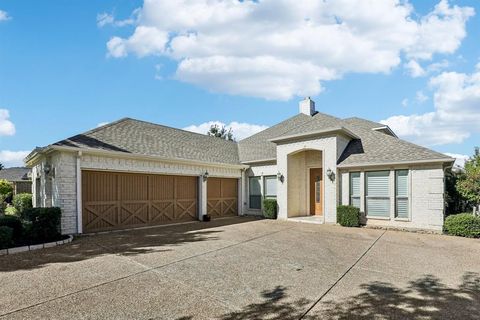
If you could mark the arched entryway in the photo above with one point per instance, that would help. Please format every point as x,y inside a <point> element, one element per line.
<point>305,183</point>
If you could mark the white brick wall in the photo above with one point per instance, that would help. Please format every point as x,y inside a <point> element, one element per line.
<point>63,191</point>
<point>426,197</point>
<point>328,146</point>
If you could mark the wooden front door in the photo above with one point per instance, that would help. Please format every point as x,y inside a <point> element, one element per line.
<point>316,191</point>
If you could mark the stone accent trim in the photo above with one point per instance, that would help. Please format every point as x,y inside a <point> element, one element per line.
<point>35,246</point>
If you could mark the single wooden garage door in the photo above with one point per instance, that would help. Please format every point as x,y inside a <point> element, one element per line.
<point>125,200</point>
<point>222,197</point>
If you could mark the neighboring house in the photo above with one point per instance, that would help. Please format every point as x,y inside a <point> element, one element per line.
<point>19,177</point>
<point>132,173</point>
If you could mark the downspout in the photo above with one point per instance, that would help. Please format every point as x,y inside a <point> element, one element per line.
<point>79,193</point>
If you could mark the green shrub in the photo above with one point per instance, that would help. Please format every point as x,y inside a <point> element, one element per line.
<point>6,188</point>
<point>14,223</point>
<point>463,224</point>
<point>348,216</point>
<point>45,223</point>
<point>11,211</point>
<point>6,236</point>
<point>22,202</point>
<point>270,208</point>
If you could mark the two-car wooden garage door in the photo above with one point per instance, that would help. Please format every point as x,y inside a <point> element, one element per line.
<point>114,200</point>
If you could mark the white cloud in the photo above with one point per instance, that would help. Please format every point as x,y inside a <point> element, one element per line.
<point>240,130</point>
<point>459,159</point>
<point>414,69</point>
<point>145,41</point>
<point>456,116</point>
<point>101,124</point>
<point>105,18</point>
<point>4,16</point>
<point>13,158</point>
<point>405,102</point>
<point>420,97</point>
<point>7,128</point>
<point>277,49</point>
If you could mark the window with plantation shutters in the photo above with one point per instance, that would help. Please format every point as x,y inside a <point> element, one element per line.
<point>271,187</point>
<point>355,189</point>
<point>401,194</point>
<point>255,192</point>
<point>377,202</point>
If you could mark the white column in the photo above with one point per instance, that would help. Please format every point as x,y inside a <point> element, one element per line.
<point>362,191</point>
<point>392,194</point>
<point>202,201</point>
<point>79,194</point>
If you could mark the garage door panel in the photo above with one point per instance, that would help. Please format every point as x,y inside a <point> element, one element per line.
<point>123,200</point>
<point>222,197</point>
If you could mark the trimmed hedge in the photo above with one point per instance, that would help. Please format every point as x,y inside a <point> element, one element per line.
<point>270,208</point>
<point>348,216</point>
<point>44,223</point>
<point>463,225</point>
<point>6,237</point>
<point>15,224</point>
<point>22,202</point>
<point>6,188</point>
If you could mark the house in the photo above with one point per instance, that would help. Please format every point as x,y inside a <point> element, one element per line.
<point>132,173</point>
<point>19,177</point>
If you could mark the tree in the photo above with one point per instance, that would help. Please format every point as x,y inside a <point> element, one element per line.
<point>216,131</point>
<point>468,184</point>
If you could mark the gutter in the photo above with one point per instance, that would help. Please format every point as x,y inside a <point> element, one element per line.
<point>85,151</point>
<point>362,165</point>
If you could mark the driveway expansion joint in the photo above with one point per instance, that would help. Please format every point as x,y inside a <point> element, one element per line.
<point>342,276</point>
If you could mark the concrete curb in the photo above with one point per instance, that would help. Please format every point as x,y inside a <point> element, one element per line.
<point>35,246</point>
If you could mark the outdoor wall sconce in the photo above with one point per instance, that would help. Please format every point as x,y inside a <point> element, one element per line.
<point>205,176</point>
<point>330,174</point>
<point>280,177</point>
<point>47,169</point>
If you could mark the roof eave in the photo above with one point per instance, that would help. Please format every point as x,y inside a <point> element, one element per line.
<point>141,156</point>
<point>393,163</point>
<point>315,133</point>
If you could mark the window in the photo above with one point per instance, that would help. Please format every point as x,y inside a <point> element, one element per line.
<point>255,192</point>
<point>271,187</point>
<point>355,189</point>
<point>377,194</point>
<point>401,194</point>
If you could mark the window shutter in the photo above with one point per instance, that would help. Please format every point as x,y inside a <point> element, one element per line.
<point>401,191</point>
<point>378,193</point>
<point>271,186</point>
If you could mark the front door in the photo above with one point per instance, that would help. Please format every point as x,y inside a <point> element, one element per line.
<point>316,191</point>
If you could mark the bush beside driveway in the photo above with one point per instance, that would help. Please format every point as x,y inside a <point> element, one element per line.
<point>241,268</point>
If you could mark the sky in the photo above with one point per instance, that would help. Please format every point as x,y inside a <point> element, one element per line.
<point>67,66</point>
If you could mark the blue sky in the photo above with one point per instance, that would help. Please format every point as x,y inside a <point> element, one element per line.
<point>67,66</point>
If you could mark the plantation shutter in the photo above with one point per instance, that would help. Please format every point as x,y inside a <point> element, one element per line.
<point>401,192</point>
<point>271,186</point>
<point>355,189</point>
<point>378,194</point>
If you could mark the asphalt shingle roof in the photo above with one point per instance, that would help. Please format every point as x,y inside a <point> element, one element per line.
<point>373,147</point>
<point>15,174</point>
<point>144,138</point>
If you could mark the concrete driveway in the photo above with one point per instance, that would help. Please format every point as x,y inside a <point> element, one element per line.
<point>240,268</point>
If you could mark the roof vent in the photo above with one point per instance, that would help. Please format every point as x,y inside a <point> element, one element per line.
<point>307,106</point>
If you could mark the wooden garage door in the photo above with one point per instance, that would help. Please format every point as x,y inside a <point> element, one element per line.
<point>124,200</point>
<point>222,197</point>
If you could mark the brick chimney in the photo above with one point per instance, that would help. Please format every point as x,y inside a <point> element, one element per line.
<point>307,106</point>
